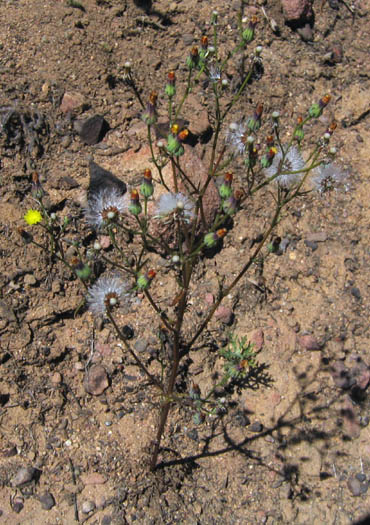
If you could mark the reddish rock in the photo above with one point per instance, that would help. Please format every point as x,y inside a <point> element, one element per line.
<point>224,314</point>
<point>257,338</point>
<point>72,101</point>
<point>309,342</point>
<point>96,380</point>
<point>295,10</point>
<point>209,299</point>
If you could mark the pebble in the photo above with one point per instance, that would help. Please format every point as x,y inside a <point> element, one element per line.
<point>96,380</point>
<point>242,419</point>
<point>87,507</point>
<point>72,101</point>
<point>30,280</point>
<point>361,477</point>
<point>17,504</point>
<point>309,342</point>
<point>356,292</point>
<point>128,331</point>
<point>256,427</point>
<point>47,500</point>
<point>23,475</point>
<point>224,314</point>
<point>68,443</point>
<point>56,378</point>
<point>92,130</point>
<point>66,141</point>
<point>188,38</point>
<point>141,345</point>
<point>357,487</point>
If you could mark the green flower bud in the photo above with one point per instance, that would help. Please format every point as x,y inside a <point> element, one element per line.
<point>135,206</point>
<point>144,280</point>
<point>83,272</point>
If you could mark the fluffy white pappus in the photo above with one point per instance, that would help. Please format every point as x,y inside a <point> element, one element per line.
<point>107,292</point>
<point>102,203</point>
<point>214,73</point>
<point>171,202</point>
<point>328,177</point>
<point>291,172</point>
<point>236,137</point>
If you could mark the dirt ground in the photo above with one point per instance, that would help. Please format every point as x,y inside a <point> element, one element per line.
<point>293,445</point>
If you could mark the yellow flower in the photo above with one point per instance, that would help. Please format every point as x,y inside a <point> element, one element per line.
<point>33,217</point>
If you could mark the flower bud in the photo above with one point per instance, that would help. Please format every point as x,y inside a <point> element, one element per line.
<point>211,239</point>
<point>248,33</point>
<point>135,206</point>
<point>316,109</point>
<point>225,189</point>
<point>83,271</point>
<point>170,86</point>
<point>144,280</point>
<point>146,188</point>
<point>150,114</point>
<point>254,123</point>
<point>193,59</point>
<point>267,159</point>
<point>230,205</point>
<point>37,191</point>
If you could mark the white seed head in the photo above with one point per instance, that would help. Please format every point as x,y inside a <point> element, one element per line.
<point>291,171</point>
<point>175,259</point>
<point>275,115</point>
<point>109,289</point>
<point>97,246</point>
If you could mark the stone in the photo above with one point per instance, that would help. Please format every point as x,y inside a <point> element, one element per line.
<point>309,342</point>
<point>256,337</point>
<point>351,425</point>
<point>224,314</point>
<point>296,10</point>
<point>47,500</point>
<point>96,380</point>
<point>72,101</point>
<point>87,507</point>
<point>56,378</point>
<point>92,130</point>
<point>23,475</point>
<point>256,427</point>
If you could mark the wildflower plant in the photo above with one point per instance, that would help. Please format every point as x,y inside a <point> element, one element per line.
<point>179,229</point>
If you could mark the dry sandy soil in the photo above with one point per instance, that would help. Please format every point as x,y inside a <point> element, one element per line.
<point>293,445</point>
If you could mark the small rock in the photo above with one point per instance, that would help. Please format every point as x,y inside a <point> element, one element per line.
<point>224,314</point>
<point>188,38</point>
<point>296,10</point>
<point>356,487</point>
<point>356,293</point>
<point>209,298</point>
<point>128,331</point>
<point>193,434</point>
<point>72,101</point>
<point>24,475</point>
<point>96,380</point>
<point>56,378</point>
<point>241,419</point>
<point>17,504</point>
<point>105,241</point>
<point>364,421</point>
<point>107,520</point>
<point>87,507</point>
<point>257,338</point>
<point>29,280</point>
<point>256,427</point>
<point>141,345</point>
<point>100,501</point>
<point>309,342</point>
<point>94,478</point>
<point>361,477</point>
<point>92,130</point>
<point>47,500</point>
<point>66,141</point>
<point>305,32</point>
